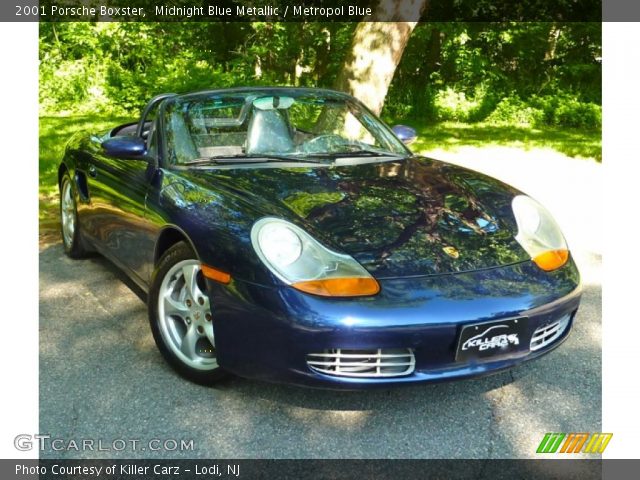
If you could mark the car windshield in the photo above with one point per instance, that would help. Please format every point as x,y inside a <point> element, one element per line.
<point>273,125</point>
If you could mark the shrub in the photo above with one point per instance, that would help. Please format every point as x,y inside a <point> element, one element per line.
<point>130,90</point>
<point>486,99</point>
<point>398,109</point>
<point>514,111</point>
<point>578,114</point>
<point>453,105</point>
<point>63,85</point>
<point>566,110</point>
<point>417,103</point>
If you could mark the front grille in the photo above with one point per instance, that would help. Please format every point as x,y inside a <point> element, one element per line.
<point>546,334</point>
<point>371,363</point>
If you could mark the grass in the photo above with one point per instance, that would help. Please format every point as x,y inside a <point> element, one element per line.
<point>55,130</point>
<point>54,133</point>
<point>451,135</point>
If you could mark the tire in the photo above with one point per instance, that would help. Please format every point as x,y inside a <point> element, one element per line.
<point>69,224</point>
<point>180,316</point>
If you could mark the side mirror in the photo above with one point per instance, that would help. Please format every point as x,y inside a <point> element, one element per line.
<point>125,146</point>
<point>407,135</point>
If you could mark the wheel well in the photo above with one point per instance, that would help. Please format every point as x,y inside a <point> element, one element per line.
<point>79,181</point>
<point>61,171</point>
<point>168,238</point>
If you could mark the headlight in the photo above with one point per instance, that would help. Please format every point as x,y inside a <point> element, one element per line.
<point>299,260</point>
<point>279,245</point>
<point>539,234</point>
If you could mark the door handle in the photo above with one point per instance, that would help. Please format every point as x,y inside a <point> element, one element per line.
<point>93,173</point>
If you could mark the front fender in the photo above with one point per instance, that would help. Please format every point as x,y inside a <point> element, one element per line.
<point>216,224</point>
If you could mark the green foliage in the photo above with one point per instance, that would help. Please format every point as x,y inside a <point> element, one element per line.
<point>512,110</point>
<point>453,105</point>
<point>464,71</point>
<point>527,75</point>
<point>552,110</point>
<point>117,67</point>
<point>568,110</point>
<point>63,84</point>
<point>449,71</point>
<point>54,133</point>
<point>133,89</point>
<point>573,113</point>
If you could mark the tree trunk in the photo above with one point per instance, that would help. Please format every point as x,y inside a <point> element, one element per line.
<point>434,51</point>
<point>554,35</point>
<point>376,50</point>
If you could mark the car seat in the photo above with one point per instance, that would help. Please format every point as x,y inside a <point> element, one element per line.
<point>268,132</point>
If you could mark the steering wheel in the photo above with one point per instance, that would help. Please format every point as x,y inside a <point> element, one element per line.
<point>324,143</point>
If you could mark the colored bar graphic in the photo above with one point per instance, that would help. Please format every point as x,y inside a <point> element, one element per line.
<point>598,442</point>
<point>543,443</point>
<point>550,443</point>
<point>569,444</point>
<point>573,442</point>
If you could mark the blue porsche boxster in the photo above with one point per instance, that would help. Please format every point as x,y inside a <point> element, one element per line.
<point>289,235</point>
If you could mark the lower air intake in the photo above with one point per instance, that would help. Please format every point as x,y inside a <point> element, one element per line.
<point>371,363</point>
<point>546,334</point>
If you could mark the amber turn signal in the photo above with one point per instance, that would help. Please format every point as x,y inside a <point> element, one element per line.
<point>552,259</point>
<point>215,274</point>
<point>340,287</point>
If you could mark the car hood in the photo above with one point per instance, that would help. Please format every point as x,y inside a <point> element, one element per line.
<point>415,216</point>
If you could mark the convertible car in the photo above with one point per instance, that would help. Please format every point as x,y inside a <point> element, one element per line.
<point>289,235</point>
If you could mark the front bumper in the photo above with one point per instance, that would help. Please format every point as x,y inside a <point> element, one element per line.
<point>267,332</point>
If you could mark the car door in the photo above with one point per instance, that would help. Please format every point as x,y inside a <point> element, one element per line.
<point>118,190</point>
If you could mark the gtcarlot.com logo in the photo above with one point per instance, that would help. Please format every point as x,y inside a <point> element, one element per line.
<point>44,442</point>
<point>574,442</point>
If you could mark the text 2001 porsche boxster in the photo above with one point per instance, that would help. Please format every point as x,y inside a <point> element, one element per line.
<point>289,235</point>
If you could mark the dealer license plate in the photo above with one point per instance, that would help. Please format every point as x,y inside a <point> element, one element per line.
<point>486,341</point>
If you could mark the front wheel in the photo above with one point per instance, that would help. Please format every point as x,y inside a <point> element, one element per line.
<point>69,226</point>
<point>181,318</point>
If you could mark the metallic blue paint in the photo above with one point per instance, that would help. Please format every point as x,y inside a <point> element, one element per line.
<point>425,313</point>
<point>405,133</point>
<point>396,217</point>
<point>124,147</point>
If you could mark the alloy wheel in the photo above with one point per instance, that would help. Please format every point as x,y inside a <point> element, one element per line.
<point>68,214</point>
<point>185,317</point>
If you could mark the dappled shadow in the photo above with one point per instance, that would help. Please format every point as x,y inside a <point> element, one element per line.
<point>571,142</point>
<point>54,133</point>
<point>102,377</point>
<point>562,392</point>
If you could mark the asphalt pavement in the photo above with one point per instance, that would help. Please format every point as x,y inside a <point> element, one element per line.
<point>102,379</point>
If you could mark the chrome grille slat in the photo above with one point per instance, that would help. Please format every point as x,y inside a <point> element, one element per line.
<point>361,364</point>
<point>355,355</point>
<point>546,334</point>
<point>371,363</point>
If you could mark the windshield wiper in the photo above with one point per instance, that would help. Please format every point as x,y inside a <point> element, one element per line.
<point>356,148</point>
<point>243,158</point>
<point>359,152</point>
